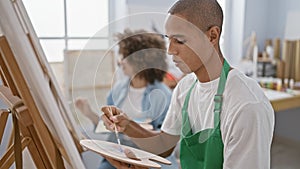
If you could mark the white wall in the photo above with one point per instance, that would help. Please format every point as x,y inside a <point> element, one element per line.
<point>118,10</point>
<point>256,18</point>
<point>233,37</point>
<point>136,14</point>
<point>268,18</point>
<point>156,9</point>
<point>278,11</point>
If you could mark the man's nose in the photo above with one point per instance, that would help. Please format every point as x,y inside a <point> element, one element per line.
<point>171,49</point>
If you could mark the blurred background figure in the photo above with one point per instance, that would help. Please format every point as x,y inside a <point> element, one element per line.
<point>142,94</point>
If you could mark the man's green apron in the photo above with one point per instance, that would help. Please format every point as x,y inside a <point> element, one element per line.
<point>203,150</point>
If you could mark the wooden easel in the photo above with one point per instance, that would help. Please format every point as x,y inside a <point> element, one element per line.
<point>45,117</point>
<point>21,119</point>
<point>46,125</point>
<point>42,146</point>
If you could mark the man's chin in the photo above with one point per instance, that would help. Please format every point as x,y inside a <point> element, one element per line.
<point>184,70</point>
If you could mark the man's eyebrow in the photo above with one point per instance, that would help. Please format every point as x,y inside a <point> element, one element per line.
<point>174,36</point>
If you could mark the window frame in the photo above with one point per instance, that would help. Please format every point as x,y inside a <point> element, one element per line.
<point>66,37</point>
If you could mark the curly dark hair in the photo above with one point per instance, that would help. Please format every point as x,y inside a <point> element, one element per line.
<point>146,52</point>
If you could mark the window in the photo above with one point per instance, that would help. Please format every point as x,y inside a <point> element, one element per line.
<point>69,24</point>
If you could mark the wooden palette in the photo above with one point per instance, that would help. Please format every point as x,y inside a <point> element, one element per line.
<point>109,149</point>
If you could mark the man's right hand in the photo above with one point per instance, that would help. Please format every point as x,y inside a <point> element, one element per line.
<point>111,115</point>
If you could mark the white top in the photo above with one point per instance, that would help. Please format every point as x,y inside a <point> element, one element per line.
<point>132,104</point>
<point>247,118</point>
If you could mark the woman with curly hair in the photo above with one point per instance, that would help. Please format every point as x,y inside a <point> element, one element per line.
<point>142,94</point>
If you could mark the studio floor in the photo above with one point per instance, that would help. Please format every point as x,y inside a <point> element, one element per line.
<point>285,154</point>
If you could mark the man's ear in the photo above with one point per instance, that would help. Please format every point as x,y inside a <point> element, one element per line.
<point>214,34</point>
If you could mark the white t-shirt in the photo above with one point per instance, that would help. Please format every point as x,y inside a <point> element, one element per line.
<point>132,104</point>
<point>247,118</point>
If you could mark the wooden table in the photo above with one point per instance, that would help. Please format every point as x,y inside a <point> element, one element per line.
<point>282,100</point>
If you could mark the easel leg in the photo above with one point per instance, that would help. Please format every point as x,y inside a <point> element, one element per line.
<point>9,158</point>
<point>3,120</point>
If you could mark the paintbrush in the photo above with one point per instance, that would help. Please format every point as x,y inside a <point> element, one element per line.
<point>116,132</point>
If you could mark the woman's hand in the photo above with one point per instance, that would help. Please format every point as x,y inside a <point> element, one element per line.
<point>114,115</point>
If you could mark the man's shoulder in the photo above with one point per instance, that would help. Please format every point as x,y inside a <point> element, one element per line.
<point>243,89</point>
<point>240,82</point>
<point>244,98</point>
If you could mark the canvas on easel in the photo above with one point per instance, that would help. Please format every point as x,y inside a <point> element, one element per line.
<point>26,72</point>
<point>47,71</point>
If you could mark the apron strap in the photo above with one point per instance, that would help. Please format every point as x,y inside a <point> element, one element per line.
<point>218,99</point>
<point>186,126</point>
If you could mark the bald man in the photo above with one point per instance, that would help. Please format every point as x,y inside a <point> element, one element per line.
<point>221,118</point>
